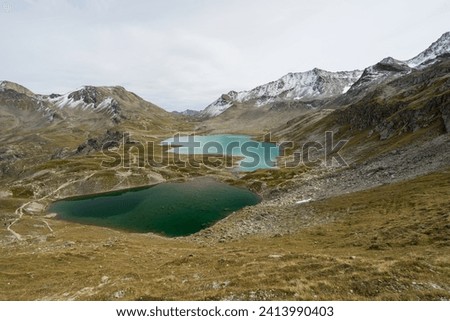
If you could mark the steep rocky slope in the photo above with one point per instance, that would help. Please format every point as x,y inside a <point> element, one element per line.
<point>390,68</point>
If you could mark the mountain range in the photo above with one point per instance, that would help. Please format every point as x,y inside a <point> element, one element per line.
<point>67,121</point>
<point>318,86</point>
<point>315,88</point>
<point>306,86</point>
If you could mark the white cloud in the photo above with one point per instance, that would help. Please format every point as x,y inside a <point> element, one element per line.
<point>185,53</point>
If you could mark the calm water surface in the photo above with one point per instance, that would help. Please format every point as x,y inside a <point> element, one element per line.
<point>171,209</point>
<point>255,155</point>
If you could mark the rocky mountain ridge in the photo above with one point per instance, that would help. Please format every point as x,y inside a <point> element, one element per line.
<point>306,86</point>
<point>319,85</point>
<point>110,103</point>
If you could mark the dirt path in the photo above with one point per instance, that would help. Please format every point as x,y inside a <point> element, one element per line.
<point>20,210</point>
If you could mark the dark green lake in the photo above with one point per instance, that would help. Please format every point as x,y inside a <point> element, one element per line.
<point>170,209</point>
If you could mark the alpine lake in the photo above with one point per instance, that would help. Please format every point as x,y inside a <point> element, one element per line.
<point>175,209</point>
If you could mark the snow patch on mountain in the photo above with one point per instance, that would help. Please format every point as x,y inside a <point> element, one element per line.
<point>63,101</point>
<point>301,86</point>
<point>85,98</point>
<point>217,107</point>
<point>437,48</point>
<point>346,88</point>
<point>389,68</point>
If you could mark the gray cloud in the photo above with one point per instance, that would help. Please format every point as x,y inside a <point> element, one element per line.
<point>184,54</point>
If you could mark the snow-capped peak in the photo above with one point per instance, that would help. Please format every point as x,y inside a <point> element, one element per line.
<point>86,97</point>
<point>304,86</point>
<point>437,48</point>
<point>390,67</point>
<point>392,61</point>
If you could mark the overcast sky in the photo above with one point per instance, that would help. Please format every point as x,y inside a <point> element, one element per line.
<point>184,53</point>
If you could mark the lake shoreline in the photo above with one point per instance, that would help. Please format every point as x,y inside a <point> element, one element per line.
<point>170,209</point>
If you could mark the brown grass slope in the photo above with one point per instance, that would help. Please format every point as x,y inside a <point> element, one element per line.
<point>388,243</point>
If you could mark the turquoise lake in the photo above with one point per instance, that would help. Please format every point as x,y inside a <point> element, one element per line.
<point>255,155</point>
<point>170,209</point>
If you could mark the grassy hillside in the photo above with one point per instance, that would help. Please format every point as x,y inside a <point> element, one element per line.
<point>383,243</point>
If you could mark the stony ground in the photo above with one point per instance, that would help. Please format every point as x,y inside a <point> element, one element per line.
<point>278,213</point>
